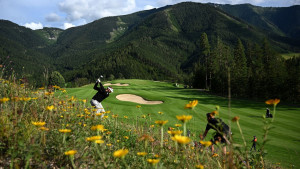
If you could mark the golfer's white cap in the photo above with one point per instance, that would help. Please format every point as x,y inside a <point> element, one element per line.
<point>111,89</point>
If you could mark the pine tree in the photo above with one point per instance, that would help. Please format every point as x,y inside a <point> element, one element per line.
<point>239,70</point>
<point>220,62</point>
<point>205,52</point>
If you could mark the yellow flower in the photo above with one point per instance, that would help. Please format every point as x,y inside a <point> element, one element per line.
<point>126,137</point>
<point>151,126</point>
<point>153,161</point>
<point>215,155</point>
<point>200,166</point>
<point>175,132</point>
<point>99,114</point>
<point>178,125</point>
<point>125,117</point>
<point>44,128</point>
<point>25,99</point>
<point>121,153</point>
<point>4,99</point>
<point>161,122</point>
<point>143,116</point>
<point>99,141</point>
<point>49,93</point>
<point>273,101</point>
<point>141,153</point>
<point>80,115</point>
<point>108,145</point>
<point>138,106</point>
<point>98,127</point>
<point>114,116</point>
<point>235,119</point>
<point>146,137</point>
<point>84,100</point>
<point>56,87</point>
<point>41,88</point>
<point>171,128</point>
<point>38,123</point>
<point>64,130</point>
<point>184,118</point>
<point>70,153</point>
<point>191,104</point>
<point>206,143</point>
<point>215,113</point>
<point>72,99</point>
<point>160,112</point>
<point>93,138</point>
<point>181,139</point>
<point>50,107</point>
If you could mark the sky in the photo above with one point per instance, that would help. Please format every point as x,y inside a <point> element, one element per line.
<point>64,14</point>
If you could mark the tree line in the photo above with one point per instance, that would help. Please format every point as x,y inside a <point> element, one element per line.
<point>251,70</point>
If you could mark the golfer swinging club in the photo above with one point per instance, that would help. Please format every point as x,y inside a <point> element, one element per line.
<point>100,96</point>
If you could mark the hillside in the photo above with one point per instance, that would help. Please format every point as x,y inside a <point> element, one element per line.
<point>20,52</point>
<point>158,44</point>
<point>284,20</point>
<point>49,34</point>
<point>162,41</point>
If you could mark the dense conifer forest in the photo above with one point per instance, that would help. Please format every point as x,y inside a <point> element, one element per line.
<point>207,46</point>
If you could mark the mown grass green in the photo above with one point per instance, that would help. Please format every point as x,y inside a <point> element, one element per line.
<point>283,145</point>
<point>290,55</point>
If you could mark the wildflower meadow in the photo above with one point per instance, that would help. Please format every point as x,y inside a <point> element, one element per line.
<point>58,128</point>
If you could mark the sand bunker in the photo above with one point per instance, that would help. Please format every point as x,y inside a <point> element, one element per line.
<point>116,84</point>
<point>136,99</point>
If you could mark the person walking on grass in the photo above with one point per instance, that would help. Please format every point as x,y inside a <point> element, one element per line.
<point>100,96</point>
<point>222,131</point>
<point>254,143</point>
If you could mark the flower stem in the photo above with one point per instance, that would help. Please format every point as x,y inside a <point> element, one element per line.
<point>184,128</point>
<point>72,161</point>
<point>161,136</point>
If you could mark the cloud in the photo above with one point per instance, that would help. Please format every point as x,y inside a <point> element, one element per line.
<point>147,7</point>
<point>68,25</point>
<point>90,10</point>
<point>52,17</point>
<point>34,26</point>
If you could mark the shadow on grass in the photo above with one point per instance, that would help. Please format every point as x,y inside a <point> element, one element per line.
<point>256,116</point>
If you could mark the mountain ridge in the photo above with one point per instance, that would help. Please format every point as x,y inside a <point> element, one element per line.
<point>160,43</point>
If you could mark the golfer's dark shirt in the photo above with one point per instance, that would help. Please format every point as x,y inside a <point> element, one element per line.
<point>101,94</point>
<point>218,125</point>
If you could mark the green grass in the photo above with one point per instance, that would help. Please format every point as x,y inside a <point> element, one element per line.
<point>284,138</point>
<point>290,55</point>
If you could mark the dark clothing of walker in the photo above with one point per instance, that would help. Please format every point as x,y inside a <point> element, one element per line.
<point>254,144</point>
<point>99,97</point>
<point>221,129</point>
<point>268,114</point>
<point>101,94</point>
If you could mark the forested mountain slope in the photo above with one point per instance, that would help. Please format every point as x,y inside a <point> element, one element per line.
<point>159,44</point>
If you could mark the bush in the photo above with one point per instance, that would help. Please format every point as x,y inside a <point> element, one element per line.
<point>56,79</point>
